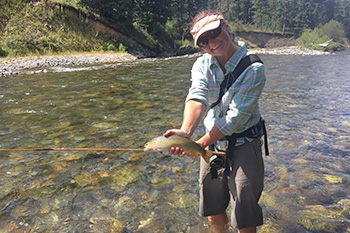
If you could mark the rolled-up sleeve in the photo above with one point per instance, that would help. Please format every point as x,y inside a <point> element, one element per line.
<point>199,86</point>
<point>242,101</point>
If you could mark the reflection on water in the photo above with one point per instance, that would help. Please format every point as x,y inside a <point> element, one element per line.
<point>306,105</point>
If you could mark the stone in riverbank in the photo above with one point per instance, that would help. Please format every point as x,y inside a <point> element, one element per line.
<point>11,66</point>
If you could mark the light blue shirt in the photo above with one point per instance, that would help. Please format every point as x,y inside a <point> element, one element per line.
<point>239,108</point>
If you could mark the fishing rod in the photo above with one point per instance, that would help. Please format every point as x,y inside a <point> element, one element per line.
<point>86,149</point>
<point>72,149</point>
<point>212,156</point>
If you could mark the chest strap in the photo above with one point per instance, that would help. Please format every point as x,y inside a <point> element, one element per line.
<point>230,78</point>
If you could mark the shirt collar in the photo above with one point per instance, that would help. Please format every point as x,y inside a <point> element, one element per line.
<point>236,57</point>
<point>233,61</point>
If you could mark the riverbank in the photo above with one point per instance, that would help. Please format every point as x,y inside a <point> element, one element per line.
<point>290,50</point>
<point>18,65</point>
<point>13,66</point>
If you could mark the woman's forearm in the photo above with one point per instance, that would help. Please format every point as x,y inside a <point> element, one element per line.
<point>192,116</point>
<point>211,137</point>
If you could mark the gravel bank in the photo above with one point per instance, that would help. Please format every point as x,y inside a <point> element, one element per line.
<point>290,50</point>
<point>12,66</point>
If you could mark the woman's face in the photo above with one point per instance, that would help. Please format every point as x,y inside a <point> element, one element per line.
<point>220,45</point>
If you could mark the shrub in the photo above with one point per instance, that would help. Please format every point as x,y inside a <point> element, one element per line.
<point>334,30</point>
<point>121,48</point>
<point>310,39</point>
<point>2,53</point>
<point>110,47</point>
<point>335,46</point>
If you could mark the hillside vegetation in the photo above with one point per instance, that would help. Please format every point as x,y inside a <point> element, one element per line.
<point>43,28</point>
<point>154,27</point>
<point>328,37</point>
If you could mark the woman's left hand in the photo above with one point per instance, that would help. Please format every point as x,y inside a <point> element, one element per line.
<point>176,150</point>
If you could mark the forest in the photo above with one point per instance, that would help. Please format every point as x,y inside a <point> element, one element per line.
<point>272,15</point>
<point>168,21</point>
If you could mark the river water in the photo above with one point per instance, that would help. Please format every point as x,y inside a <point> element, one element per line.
<point>306,104</point>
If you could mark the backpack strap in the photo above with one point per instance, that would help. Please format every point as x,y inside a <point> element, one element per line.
<point>225,85</point>
<point>228,80</point>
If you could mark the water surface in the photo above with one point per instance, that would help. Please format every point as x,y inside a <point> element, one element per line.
<point>306,104</point>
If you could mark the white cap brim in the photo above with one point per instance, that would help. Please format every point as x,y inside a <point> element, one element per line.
<point>206,24</point>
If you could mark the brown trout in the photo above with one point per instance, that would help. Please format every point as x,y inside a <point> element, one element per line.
<point>163,144</point>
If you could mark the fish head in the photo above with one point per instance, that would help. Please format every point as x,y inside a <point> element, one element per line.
<point>152,145</point>
<point>149,145</point>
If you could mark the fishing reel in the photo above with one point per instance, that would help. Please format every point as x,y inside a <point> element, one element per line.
<point>216,161</point>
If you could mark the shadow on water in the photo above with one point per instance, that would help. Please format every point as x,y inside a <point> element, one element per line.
<point>305,103</point>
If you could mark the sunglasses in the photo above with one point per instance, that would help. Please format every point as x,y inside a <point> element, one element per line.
<point>212,34</point>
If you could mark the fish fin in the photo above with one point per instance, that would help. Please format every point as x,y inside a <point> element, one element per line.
<point>207,155</point>
<point>210,153</point>
<point>219,153</point>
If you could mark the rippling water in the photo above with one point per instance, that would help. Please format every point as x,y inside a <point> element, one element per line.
<point>306,104</point>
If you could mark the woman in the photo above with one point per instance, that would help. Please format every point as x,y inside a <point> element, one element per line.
<point>237,111</point>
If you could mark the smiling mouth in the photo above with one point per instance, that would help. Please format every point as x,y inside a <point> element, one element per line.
<point>217,46</point>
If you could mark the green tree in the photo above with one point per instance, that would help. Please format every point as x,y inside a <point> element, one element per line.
<point>342,14</point>
<point>302,12</point>
<point>325,11</point>
<point>150,13</point>
<point>116,12</point>
<point>278,10</point>
<point>243,11</point>
<point>227,9</point>
<point>261,17</point>
<point>182,15</point>
<point>213,4</point>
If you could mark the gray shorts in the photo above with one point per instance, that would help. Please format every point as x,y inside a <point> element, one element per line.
<point>243,187</point>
